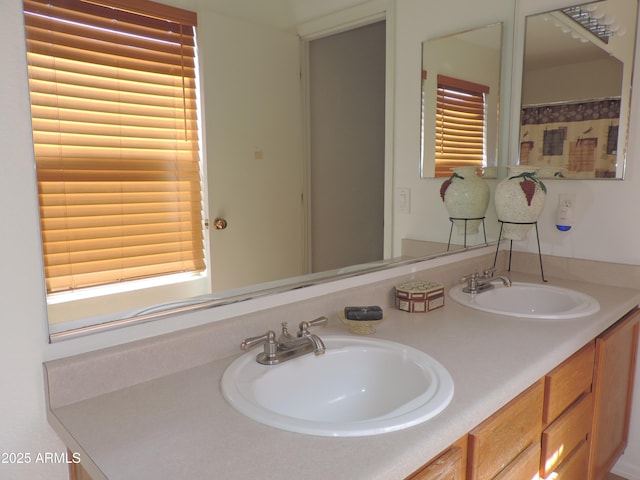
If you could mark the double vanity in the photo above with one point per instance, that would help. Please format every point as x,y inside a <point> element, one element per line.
<point>442,385</point>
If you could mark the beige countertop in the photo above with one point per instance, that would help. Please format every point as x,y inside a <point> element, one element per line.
<point>178,426</point>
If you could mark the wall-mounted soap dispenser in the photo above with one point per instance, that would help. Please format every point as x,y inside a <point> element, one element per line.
<point>564,216</point>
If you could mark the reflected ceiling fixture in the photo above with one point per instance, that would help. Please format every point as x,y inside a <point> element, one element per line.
<point>593,20</point>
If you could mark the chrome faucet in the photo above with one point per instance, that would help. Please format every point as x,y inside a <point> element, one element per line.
<point>478,284</point>
<point>286,346</point>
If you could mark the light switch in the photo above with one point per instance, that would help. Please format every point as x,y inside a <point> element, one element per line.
<point>403,199</point>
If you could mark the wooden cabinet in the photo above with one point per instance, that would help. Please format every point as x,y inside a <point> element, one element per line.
<point>614,372</point>
<point>77,472</point>
<point>503,437</point>
<point>568,410</point>
<point>571,425</point>
<point>449,465</point>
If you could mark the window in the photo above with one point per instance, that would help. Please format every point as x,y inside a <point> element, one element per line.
<point>115,130</point>
<point>582,155</point>
<point>553,141</point>
<point>460,124</point>
<point>612,139</point>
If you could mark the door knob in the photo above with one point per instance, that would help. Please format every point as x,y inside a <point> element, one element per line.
<point>219,224</point>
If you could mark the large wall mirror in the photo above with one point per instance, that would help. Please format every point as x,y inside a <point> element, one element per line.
<point>255,146</point>
<point>461,94</point>
<point>576,88</point>
<point>263,228</point>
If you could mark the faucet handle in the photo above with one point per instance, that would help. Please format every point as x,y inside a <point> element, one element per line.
<point>268,356</point>
<point>472,282</point>
<point>489,272</point>
<point>470,277</point>
<point>303,327</point>
<point>267,338</point>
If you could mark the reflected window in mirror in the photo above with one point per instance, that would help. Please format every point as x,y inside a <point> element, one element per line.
<point>115,130</point>
<point>467,63</point>
<point>460,125</point>
<point>576,86</point>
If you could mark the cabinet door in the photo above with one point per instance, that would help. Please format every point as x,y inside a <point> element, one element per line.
<point>448,466</point>
<point>499,440</point>
<point>613,388</point>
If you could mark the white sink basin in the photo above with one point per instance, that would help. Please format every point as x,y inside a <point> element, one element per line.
<point>359,387</point>
<point>529,300</point>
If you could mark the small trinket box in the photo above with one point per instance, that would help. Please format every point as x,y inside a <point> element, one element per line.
<point>419,296</point>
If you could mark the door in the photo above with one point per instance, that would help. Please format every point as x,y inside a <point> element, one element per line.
<point>255,155</point>
<point>614,372</point>
<point>347,147</point>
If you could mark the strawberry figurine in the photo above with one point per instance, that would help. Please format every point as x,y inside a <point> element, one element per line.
<point>519,200</point>
<point>529,184</point>
<point>466,197</point>
<point>446,183</point>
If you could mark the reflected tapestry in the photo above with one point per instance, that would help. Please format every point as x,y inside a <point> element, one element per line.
<point>572,140</point>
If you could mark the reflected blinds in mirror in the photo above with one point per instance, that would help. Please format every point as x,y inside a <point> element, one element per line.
<point>460,124</point>
<point>113,98</point>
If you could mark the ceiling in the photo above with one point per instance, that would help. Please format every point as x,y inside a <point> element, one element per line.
<point>551,37</point>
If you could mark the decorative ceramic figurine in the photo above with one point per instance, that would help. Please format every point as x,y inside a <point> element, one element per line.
<point>519,198</point>
<point>465,195</point>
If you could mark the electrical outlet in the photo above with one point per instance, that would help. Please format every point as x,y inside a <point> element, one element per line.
<point>566,206</point>
<point>567,200</point>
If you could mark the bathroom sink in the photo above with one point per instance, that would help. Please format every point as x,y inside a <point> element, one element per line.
<point>529,300</point>
<point>358,387</point>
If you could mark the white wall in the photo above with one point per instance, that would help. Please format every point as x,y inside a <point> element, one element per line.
<point>23,329</point>
<point>565,83</point>
<point>605,226</point>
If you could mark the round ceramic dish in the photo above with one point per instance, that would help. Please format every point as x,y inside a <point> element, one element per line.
<point>360,327</point>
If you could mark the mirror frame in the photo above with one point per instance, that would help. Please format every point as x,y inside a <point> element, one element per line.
<point>161,311</point>
<point>523,10</point>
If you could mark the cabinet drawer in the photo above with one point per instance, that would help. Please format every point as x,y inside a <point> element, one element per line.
<point>566,433</point>
<point>448,466</point>
<point>575,467</point>
<point>524,467</point>
<point>497,441</point>
<point>567,382</point>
